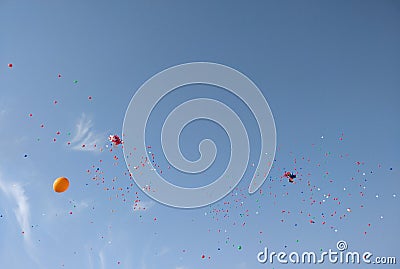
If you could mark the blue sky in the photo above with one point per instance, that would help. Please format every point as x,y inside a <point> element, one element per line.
<point>329,71</point>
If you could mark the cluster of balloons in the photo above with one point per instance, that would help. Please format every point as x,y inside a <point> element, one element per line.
<point>61,184</point>
<point>290,176</point>
<point>115,140</point>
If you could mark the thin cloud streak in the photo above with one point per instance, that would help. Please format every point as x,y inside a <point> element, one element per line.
<point>90,259</point>
<point>102,259</point>
<point>164,250</point>
<point>85,139</point>
<point>142,206</point>
<point>15,192</point>
<point>22,213</point>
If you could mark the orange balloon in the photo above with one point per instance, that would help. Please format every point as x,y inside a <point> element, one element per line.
<point>61,184</point>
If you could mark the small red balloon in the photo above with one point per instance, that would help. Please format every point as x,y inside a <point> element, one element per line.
<point>10,65</point>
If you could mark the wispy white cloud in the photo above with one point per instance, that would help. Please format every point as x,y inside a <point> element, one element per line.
<point>15,192</point>
<point>242,265</point>
<point>164,250</point>
<point>90,256</point>
<point>102,259</point>
<point>142,206</point>
<point>145,253</point>
<point>85,138</point>
<point>81,205</point>
<point>3,112</point>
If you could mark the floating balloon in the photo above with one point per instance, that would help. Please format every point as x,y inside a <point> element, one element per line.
<point>115,139</point>
<point>61,184</point>
<point>290,176</point>
<point>10,65</point>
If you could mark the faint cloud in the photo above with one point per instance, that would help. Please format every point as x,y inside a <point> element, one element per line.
<point>142,206</point>
<point>83,204</point>
<point>22,214</point>
<point>163,251</point>
<point>242,265</point>
<point>85,139</point>
<point>16,193</point>
<point>145,253</point>
<point>3,111</point>
<point>89,254</point>
<point>102,259</point>
<point>80,206</point>
<point>3,117</point>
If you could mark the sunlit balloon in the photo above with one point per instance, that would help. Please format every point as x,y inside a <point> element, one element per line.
<point>61,184</point>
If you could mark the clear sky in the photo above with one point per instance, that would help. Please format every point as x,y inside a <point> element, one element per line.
<point>328,69</point>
